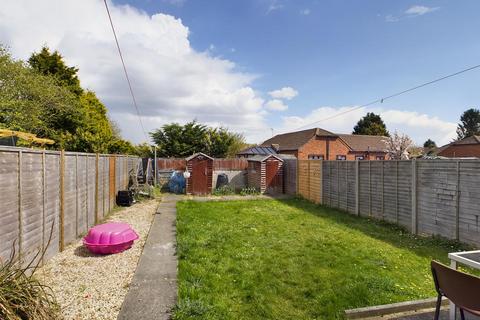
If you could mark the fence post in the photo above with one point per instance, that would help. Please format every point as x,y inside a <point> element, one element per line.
<point>96,187</point>
<point>76,195</point>
<point>20,159</point>
<point>383,187</point>
<point>414,196</point>
<point>338,184</point>
<point>369,188</point>
<point>457,207</point>
<point>86,190</point>
<point>357,187</point>
<point>155,166</point>
<point>44,200</point>
<point>308,185</point>
<point>62,199</point>
<point>297,187</point>
<point>396,191</point>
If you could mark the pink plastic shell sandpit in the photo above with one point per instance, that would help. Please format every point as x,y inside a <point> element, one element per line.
<point>108,238</point>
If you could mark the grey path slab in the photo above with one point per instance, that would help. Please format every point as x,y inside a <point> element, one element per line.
<point>153,291</point>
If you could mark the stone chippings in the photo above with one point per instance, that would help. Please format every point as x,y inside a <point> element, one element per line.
<point>89,286</point>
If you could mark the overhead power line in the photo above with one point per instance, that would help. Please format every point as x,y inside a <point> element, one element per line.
<point>381,100</point>
<point>126,73</point>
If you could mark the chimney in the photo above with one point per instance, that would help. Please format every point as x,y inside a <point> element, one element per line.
<point>276,146</point>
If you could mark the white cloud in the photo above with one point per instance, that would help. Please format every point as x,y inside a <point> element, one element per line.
<point>418,126</point>
<point>274,5</point>
<point>420,10</point>
<point>413,11</point>
<point>284,93</point>
<point>276,105</point>
<point>171,80</point>
<point>305,12</point>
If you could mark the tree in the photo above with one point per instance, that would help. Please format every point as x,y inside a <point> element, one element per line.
<point>32,102</point>
<point>429,144</point>
<point>371,124</point>
<point>398,146</point>
<point>175,140</point>
<point>52,64</point>
<point>469,124</point>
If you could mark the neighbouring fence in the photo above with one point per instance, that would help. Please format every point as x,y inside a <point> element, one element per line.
<point>431,197</point>
<point>72,191</point>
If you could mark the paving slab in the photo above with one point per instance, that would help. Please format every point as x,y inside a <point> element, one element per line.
<point>153,290</point>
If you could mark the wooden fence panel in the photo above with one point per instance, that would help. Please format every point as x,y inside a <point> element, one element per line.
<point>9,221</point>
<point>303,178</point>
<point>315,181</point>
<point>350,192</point>
<point>52,204</point>
<point>70,200</point>
<point>405,194</point>
<point>469,202</point>
<point>31,205</point>
<point>390,195</point>
<point>230,164</point>
<point>436,200</point>
<point>91,172</point>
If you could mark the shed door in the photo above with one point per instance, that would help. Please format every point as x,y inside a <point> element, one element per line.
<point>200,176</point>
<point>273,181</point>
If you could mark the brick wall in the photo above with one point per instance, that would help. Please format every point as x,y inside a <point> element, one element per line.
<point>465,150</point>
<point>319,145</point>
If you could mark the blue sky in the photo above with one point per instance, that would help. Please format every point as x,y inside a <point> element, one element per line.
<point>334,54</point>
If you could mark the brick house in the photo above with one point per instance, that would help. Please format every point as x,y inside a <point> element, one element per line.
<point>317,143</point>
<point>467,147</point>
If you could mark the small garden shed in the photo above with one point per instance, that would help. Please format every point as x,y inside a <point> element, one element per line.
<point>200,167</point>
<point>265,173</point>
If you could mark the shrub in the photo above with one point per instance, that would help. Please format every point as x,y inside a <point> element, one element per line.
<point>22,296</point>
<point>223,191</point>
<point>249,191</point>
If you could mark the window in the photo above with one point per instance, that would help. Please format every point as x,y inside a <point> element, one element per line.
<point>341,157</point>
<point>359,157</point>
<point>380,158</point>
<point>315,157</point>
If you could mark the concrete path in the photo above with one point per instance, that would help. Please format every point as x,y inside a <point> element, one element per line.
<point>153,291</point>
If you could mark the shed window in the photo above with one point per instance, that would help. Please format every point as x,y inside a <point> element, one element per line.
<point>359,157</point>
<point>315,157</point>
<point>341,157</point>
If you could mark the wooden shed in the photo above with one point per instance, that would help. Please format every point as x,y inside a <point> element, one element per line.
<point>265,173</point>
<point>200,167</point>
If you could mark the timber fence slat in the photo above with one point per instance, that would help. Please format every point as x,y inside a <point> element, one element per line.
<point>428,197</point>
<point>41,188</point>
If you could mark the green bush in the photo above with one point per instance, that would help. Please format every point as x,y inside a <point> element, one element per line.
<point>249,191</point>
<point>22,296</point>
<point>223,191</point>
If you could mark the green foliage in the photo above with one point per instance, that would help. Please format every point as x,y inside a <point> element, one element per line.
<point>33,103</point>
<point>22,295</point>
<point>429,144</point>
<point>52,64</point>
<point>223,191</point>
<point>249,191</point>
<point>46,99</point>
<point>371,124</point>
<point>144,150</point>
<point>469,124</point>
<point>175,140</point>
<point>291,259</point>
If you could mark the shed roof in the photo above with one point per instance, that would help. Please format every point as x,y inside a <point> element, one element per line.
<point>198,154</point>
<point>261,158</point>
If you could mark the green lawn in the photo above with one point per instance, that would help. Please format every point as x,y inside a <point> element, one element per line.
<point>291,259</point>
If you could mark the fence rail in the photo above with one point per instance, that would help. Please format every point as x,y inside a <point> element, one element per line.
<point>71,191</point>
<point>431,197</point>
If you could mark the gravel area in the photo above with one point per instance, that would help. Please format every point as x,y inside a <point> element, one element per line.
<point>89,286</point>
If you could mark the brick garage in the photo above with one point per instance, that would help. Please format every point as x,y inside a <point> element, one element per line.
<point>321,144</point>
<point>265,173</point>
<point>200,167</point>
